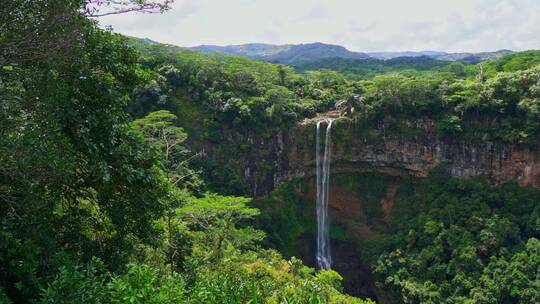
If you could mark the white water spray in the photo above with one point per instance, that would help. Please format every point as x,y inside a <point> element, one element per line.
<point>323,255</point>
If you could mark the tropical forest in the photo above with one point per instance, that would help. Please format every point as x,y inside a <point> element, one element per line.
<point>138,171</point>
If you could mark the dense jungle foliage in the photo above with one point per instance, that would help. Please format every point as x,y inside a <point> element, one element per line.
<point>98,207</point>
<point>102,201</point>
<point>476,226</point>
<point>219,96</point>
<point>499,97</point>
<point>458,241</point>
<point>449,240</point>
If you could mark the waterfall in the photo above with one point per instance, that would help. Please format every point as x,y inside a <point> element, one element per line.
<point>323,256</point>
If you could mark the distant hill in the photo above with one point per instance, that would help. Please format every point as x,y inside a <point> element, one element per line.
<point>465,57</point>
<point>390,55</point>
<point>315,56</point>
<point>251,50</point>
<point>474,57</point>
<point>512,62</point>
<point>148,40</point>
<point>293,54</point>
<point>370,67</point>
<point>303,54</point>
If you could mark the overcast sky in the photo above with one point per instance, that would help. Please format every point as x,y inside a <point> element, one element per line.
<point>359,25</point>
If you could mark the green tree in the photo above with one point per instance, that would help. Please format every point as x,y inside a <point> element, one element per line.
<point>75,180</point>
<point>160,132</point>
<point>215,220</point>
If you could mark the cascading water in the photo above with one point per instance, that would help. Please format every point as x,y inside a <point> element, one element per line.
<point>323,256</point>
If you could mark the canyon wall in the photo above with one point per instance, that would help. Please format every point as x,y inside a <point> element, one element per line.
<point>362,205</point>
<point>416,151</point>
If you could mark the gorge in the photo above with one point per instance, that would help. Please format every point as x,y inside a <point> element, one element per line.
<point>376,172</point>
<point>133,171</point>
<point>397,180</point>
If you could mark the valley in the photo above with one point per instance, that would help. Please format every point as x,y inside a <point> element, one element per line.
<point>133,171</point>
<point>401,149</point>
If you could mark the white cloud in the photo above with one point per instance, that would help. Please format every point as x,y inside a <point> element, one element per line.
<point>361,25</point>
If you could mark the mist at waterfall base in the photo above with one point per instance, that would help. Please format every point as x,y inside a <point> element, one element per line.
<point>323,255</point>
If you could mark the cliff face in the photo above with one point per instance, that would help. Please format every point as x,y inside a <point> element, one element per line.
<point>379,149</point>
<point>362,206</point>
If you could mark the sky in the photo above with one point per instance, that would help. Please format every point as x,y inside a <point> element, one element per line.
<point>359,25</point>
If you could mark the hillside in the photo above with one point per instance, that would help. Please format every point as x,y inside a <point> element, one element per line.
<point>390,55</point>
<point>292,54</point>
<point>252,50</point>
<point>467,57</point>
<point>474,57</point>
<point>356,65</point>
<point>371,67</point>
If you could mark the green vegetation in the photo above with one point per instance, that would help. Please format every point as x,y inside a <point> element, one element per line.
<point>371,67</point>
<point>97,207</point>
<point>218,96</point>
<point>513,62</point>
<point>245,101</point>
<point>502,109</point>
<point>449,240</point>
<point>238,92</point>
<point>457,241</point>
<point>249,102</point>
<point>102,201</point>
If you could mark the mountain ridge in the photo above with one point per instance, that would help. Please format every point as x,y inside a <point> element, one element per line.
<point>284,54</point>
<point>305,53</point>
<point>396,54</point>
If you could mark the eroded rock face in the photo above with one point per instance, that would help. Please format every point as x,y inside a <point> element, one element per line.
<point>378,150</point>
<point>347,209</point>
<point>353,222</point>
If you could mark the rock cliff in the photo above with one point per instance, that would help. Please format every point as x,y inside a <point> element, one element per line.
<point>414,150</point>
